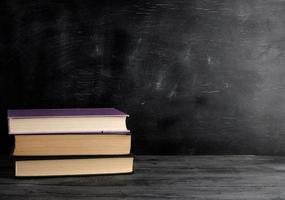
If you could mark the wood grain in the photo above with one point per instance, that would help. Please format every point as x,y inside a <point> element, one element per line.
<point>161,177</point>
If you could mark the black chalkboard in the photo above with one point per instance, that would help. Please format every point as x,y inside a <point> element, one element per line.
<point>196,77</point>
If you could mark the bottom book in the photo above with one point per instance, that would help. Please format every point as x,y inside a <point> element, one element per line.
<point>39,167</point>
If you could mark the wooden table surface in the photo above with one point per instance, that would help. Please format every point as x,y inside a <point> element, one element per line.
<point>161,177</point>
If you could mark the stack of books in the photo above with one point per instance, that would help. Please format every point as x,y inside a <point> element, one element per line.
<point>62,142</point>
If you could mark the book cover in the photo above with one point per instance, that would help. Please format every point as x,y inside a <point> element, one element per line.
<point>65,112</point>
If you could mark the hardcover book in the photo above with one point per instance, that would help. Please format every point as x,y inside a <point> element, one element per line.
<point>66,166</point>
<point>86,120</point>
<point>72,144</point>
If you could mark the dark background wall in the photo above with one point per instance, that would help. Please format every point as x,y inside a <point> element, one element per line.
<point>196,77</point>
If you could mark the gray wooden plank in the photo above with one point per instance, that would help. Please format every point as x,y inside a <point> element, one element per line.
<point>161,177</point>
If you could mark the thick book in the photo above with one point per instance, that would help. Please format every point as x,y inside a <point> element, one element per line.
<point>74,166</point>
<point>72,144</point>
<point>85,120</point>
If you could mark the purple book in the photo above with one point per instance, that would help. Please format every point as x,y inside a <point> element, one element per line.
<point>59,121</point>
<point>65,112</point>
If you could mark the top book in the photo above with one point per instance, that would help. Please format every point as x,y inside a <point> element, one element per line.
<point>83,120</point>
